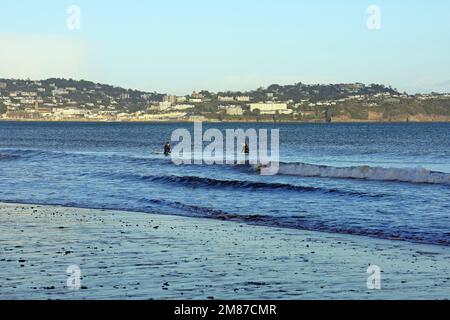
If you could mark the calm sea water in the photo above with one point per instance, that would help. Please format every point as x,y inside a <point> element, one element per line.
<point>381,180</point>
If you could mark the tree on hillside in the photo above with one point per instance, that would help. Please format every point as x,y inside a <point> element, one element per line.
<point>3,108</point>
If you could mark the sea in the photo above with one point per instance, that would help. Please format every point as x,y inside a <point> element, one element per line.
<point>387,181</point>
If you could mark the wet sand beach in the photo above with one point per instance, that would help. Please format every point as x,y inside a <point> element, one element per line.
<point>144,256</point>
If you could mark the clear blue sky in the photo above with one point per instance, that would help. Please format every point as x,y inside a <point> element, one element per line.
<point>178,46</point>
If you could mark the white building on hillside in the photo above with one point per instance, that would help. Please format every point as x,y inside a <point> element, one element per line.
<point>224,99</point>
<point>183,106</point>
<point>69,112</point>
<point>59,92</point>
<point>235,111</point>
<point>270,108</point>
<point>165,105</point>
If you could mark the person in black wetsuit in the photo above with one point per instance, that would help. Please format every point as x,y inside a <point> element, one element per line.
<point>167,149</point>
<point>246,149</point>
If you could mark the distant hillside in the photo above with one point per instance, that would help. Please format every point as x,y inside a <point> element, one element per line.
<point>87,91</point>
<point>85,95</point>
<point>315,92</point>
<point>72,99</point>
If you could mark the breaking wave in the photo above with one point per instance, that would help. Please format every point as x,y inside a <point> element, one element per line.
<point>411,175</point>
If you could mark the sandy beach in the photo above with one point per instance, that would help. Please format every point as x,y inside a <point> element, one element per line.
<point>145,256</point>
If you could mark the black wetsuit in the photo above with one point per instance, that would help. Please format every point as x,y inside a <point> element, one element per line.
<point>167,150</point>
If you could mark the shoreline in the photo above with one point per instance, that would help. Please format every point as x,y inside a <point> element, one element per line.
<point>225,121</point>
<point>217,220</point>
<point>150,256</point>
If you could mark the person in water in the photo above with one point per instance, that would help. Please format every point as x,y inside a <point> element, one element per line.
<point>246,149</point>
<point>167,149</point>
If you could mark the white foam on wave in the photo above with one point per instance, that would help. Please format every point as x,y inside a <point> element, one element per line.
<point>412,175</point>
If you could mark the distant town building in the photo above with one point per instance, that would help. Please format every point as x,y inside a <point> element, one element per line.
<point>69,112</point>
<point>183,107</point>
<point>197,95</point>
<point>27,100</point>
<point>171,99</point>
<point>124,96</point>
<point>59,92</point>
<point>28,94</point>
<point>270,108</point>
<point>235,111</point>
<point>43,109</point>
<point>21,115</point>
<point>225,99</point>
<point>243,98</point>
<point>123,116</point>
<point>165,105</point>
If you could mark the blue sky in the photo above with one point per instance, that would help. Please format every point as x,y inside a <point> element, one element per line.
<point>179,46</point>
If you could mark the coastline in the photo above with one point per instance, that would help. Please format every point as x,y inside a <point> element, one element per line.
<point>151,256</point>
<point>446,120</point>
